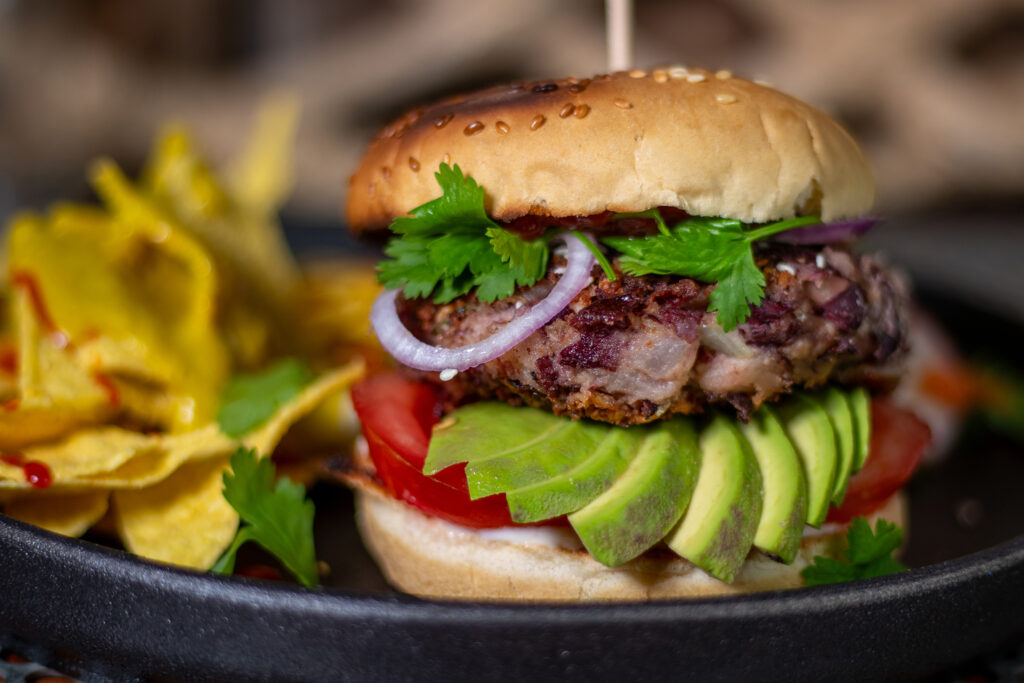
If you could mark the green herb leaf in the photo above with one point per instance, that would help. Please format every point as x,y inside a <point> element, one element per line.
<point>448,246</point>
<point>869,555</point>
<point>279,517</point>
<point>249,400</point>
<point>710,249</point>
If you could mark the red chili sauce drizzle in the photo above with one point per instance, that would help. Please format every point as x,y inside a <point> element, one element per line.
<point>36,473</point>
<point>532,227</point>
<point>108,386</point>
<point>28,282</point>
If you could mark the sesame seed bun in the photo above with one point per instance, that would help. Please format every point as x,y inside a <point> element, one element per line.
<point>710,144</point>
<point>431,558</point>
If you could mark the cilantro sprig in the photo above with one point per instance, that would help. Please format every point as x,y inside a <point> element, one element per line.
<point>279,518</point>
<point>248,400</point>
<point>448,246</point>
<point>715,250</point>
<point>869,555</point>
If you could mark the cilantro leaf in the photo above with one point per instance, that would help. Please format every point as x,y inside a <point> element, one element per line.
<point>249,400</point>
<point>869,554</point>
<point>710,249</point>
<point>448,246</point>
<point>739,288</point>
<point>279,518</point>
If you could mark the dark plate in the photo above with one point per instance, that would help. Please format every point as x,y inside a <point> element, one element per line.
<point>101,614</point>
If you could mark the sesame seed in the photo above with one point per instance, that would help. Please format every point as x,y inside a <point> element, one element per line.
<point>537,122</point>
<point>386,172</point>
<point>695,78</point>
<point>502,127</point>
<point>443,121</point>
<point>566,111</point>
<point>678,72</point>
<point>723,75</point>
<point>660,77</point>
<point>546,87</point>
<point>572,80</point>
<point>623,104</point>
<point>819,261</point>
<point>448,375</point>
<point>519,304</point>
<point>581,110</point>
<point>637,73</point>
<point>473,128</point>
<point>577,88</point>
<point>414,164</point>
<point>446,159</point>
<point>786,268</point>
<point>766,84</point>
<point>725,98</point>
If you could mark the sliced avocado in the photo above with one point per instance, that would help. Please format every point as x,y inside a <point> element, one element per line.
<point>574,488</point>
<point>785,489</point>
<point>837,406</point>
<point>647,500</point>
<point>860,407</point>
<point>810,430</point>
<point>506,447</point>
<point>717,531</point>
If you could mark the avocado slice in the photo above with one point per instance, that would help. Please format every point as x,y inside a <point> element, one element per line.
<point>837,406</point>
<point>785,488</point>
<point>576,487</point>
<point>647,500</point>
<point>506,447</point>
<point>810,430</point>
<point>860,407</point>
<point>718,529</point>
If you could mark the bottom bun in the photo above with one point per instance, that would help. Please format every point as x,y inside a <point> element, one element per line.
<point>432,558</point>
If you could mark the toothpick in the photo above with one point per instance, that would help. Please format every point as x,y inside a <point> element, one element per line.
<point>619,30</point>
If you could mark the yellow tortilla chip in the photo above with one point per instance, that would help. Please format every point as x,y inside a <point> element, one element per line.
<point>70,514</point>
<point>115,458</point>
<point>133,292</point>
<point>183,520</point>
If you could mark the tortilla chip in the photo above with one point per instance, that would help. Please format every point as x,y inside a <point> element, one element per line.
<point>70,514</point>
<point>183,520</point>
<point>115,458</point>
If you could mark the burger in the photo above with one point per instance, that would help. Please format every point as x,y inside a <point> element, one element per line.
<point>638,355</point>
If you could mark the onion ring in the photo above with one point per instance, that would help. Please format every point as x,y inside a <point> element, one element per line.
<point>406,349</point>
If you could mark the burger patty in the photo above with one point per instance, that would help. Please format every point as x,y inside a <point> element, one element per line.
<point>637,349</point>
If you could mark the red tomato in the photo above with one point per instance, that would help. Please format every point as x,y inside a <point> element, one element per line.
<point>898,439</point>
<point>397,415</point>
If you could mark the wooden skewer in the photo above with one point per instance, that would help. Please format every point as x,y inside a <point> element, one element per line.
<point>619,30</point>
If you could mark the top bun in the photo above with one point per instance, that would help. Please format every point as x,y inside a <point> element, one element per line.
<point>710,144</point>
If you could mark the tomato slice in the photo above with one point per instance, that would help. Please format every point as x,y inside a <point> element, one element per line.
<point>397,415</point>
<point>898,440</point>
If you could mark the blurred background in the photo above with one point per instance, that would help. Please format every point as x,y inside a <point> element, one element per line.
<point>933,88</point>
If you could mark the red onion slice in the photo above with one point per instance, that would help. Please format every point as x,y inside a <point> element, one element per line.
<point>408,350</point>
<point>827,233</point>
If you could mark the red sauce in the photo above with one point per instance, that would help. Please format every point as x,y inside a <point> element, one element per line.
<point>532,227</point>
<point>29,283</point>
<point>10,406</point>
<point>260,571</point>
<point>108,386</point>
<point>8,360</point>
<point>36,473</point>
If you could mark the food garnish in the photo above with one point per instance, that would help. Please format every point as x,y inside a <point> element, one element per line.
<point>279,518</point>
<point>250,399</point>
<point>448,246</point>
<point>869,554</point>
